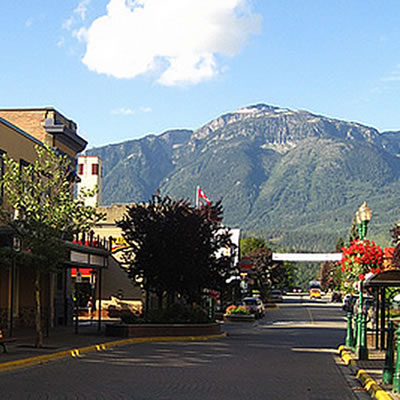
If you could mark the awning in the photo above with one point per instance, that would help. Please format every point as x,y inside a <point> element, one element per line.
<point>387,278</point>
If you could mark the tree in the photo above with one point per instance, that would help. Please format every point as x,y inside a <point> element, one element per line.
<point>353,234</point>
<point>395,232</point>
<point>173,248</point>
<point>249,245</point>
<point>266,272</point>
<point>42,212</point>
<point>327,275</point>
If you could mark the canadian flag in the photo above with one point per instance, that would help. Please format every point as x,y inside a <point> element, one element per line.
<point>201,195</point>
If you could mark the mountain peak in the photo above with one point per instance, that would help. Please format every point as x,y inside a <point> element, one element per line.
<point>257,108</point>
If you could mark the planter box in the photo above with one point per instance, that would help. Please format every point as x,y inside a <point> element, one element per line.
<point>156,330</point>
<point>239,318</point>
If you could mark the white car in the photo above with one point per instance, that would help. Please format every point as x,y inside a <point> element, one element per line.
<point>254,305</point>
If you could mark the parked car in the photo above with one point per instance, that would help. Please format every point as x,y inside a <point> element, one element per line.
<point>254,305</point>
<point>276,295</point>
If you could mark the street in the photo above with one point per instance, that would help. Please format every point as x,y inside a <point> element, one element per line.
<point>287,354</point>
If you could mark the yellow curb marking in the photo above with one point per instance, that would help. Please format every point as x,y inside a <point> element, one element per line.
<point>369,384</point>
<point>372,386</point>
<point>75,353</point>
<point>27,362</point>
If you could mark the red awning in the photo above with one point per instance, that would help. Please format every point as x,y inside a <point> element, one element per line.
<point>85,272</point>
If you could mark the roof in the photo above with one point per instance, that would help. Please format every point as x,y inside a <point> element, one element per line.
<point>387,278</point>
<point>15,128</point>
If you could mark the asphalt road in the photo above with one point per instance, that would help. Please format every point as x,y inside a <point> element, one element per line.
<point>287,354</point>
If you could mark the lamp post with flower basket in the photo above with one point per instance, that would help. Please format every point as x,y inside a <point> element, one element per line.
<point>358,259</point>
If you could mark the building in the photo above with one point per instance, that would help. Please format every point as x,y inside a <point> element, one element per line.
<point>21,130</point>
<point>21,146</point>
<point>90,170</point>
<point>48,126</point>
<point>116,281</point>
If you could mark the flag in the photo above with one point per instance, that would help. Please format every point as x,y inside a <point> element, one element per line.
<point>202,195</point>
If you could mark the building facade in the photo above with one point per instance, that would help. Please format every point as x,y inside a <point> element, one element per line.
<point>21,130</point>
<point>90,169</point>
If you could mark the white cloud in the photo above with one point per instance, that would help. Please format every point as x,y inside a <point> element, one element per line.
<point>80,12</point>
<point>123,111</point>
<point>61,42</point>
<point>67,24</point>
<point>130,111</point>
<point>81,34</point>
<point>145,109</point>
<point>176,39</point>
<point>81,9</point>
<point>394,76</point>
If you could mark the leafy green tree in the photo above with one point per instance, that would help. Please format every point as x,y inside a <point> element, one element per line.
<point>249,245</point>
<point>42,212</point>
<point>339,244</point>
<point>395,232</point>
<point>173,248</point>
<point>353,234</point>
<point>266,272</point>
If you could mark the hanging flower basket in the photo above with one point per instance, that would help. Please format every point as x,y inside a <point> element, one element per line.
<point>359,259</point>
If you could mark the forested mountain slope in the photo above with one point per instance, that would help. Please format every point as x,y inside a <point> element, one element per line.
<point>294,177</point>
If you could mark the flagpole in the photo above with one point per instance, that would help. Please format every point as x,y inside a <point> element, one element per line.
<point>197,196</point>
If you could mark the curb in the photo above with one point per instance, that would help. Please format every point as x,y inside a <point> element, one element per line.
<point>28,362</point>
<point>369,384</point>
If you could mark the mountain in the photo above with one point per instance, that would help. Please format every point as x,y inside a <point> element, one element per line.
<point>291,176</point>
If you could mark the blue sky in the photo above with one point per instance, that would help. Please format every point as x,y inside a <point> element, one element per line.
<point>126,68</point>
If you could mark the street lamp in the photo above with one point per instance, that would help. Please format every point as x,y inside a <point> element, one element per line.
<point>363,216</point>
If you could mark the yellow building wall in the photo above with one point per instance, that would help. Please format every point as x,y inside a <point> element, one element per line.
<point>107,226</point>
<point>20,132</point>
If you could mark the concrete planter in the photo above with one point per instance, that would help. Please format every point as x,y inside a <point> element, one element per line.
<point>156,330</point>
<point>239,318</point>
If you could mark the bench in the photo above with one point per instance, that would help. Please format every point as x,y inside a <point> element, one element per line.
<point>4,340</point>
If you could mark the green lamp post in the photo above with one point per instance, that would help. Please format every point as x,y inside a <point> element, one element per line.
<point>363,216</point>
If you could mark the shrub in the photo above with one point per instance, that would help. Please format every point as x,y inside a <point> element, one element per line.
<point>128,317</point>
<point>178,314</point>
<point>243,310</point>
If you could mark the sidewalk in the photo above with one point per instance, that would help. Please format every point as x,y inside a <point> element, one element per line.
<point>370,372</point>
<point>60,339</point>
<point>63,342</point>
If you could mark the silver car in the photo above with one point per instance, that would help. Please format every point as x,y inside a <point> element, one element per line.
<point>276,295</point>
<point>254,305</point>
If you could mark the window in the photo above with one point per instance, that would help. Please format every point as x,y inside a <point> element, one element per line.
<point>80,169</point>
<point>23,163</point>
<point>95,169</point>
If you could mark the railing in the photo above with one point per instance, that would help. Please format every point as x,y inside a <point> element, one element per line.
<point>92,240</point>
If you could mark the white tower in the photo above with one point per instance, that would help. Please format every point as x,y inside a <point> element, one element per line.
<point>90,169</point>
